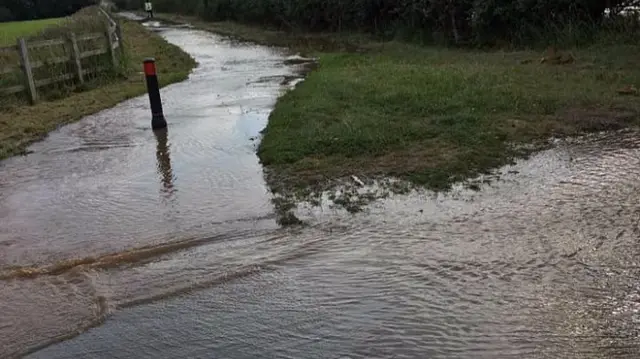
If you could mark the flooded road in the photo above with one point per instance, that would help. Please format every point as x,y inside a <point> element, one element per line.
<point>130,244</point>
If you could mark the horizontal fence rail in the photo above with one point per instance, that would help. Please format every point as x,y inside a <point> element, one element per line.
<point>108,43</point>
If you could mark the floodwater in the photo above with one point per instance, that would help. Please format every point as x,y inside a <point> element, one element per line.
<point>116,242</point>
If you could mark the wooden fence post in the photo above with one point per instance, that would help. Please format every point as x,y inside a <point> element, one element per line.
<point>26,68</point>
<point>119,35</point>
<point>75,57</point>
<point>110,50</point>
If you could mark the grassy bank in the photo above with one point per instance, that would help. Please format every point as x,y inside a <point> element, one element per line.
<point>12,30</point>
<point>22,125</point>
<point>432,115</point>
<point>435,116</point>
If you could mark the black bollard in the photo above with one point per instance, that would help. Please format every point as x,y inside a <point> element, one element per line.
<point>157,117</point>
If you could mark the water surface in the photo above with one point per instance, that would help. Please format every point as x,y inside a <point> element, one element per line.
<point>181,256</point>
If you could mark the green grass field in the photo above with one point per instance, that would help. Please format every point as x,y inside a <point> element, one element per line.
<point>22,125</point>
<point>11,31</point>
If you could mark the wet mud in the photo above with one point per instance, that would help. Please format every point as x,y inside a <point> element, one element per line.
<point>117,242</point>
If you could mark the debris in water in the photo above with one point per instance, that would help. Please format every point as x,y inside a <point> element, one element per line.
<point>297,60</point>
<point>357,180</point>
<point>555,57</point>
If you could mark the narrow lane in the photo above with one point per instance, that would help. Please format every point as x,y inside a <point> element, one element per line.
<point>543,264</point>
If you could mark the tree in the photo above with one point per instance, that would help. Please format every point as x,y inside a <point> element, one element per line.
<point>5,14</point>
<point>40,9</point>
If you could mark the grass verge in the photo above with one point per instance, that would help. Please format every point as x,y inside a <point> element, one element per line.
<point>22,125</point>
<point>437,116</point>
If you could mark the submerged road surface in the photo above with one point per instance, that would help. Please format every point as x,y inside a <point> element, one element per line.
<point>132,245</point>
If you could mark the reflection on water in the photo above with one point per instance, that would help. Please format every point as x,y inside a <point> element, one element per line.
<point>164,162</point>
<point>543,264</point>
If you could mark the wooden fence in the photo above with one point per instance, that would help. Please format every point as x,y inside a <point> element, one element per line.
<point>112,37</point>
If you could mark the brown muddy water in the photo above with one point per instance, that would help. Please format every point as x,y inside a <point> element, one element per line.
<point>116,242</point>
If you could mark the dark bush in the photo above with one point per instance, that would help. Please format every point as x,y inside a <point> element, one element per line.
<point>474,22</point>
<point>5,14</point>
<point>20,10</point>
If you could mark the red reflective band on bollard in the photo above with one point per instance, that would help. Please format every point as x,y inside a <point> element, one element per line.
<point>149,67</point>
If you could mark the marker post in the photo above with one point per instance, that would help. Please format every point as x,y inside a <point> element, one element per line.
<point>157,117</point>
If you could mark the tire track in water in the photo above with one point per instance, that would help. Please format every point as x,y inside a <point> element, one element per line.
<point>138,255</point>
<point>101,311</point>
<point>71,296</point>
<point>90,278</point>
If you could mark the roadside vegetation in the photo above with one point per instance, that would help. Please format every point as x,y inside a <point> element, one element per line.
<point>431,91</point>
<point>21,124</point>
